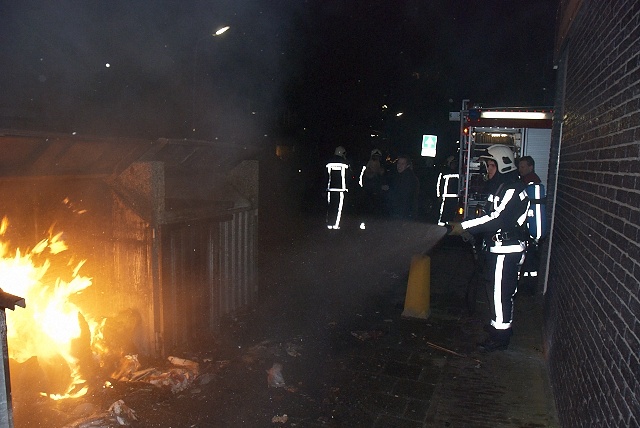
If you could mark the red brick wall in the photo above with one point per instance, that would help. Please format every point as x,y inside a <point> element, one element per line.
<point>592,305</point>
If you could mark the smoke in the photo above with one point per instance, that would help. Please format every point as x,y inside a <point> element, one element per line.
<point>326,65</point>
<point>142,68</point>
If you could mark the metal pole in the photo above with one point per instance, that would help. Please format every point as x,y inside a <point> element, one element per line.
<point>553,215</point>
<point>6,408</point>
<point>463,110</point>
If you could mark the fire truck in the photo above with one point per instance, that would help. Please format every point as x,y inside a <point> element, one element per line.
<point>527,131</point>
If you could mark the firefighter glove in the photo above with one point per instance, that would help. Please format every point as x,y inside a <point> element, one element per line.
<point>455,229</point>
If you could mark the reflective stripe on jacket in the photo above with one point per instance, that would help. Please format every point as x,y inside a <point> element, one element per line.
<point>508,212</point>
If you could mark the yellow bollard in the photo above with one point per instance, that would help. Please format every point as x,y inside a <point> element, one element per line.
<point>417,299</point>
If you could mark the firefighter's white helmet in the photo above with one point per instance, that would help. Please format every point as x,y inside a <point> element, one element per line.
<point>503,156</point>
<point>376,152</point>
<point>340,151</point>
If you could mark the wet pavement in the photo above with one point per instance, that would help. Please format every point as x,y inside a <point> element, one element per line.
<point>329,318</point>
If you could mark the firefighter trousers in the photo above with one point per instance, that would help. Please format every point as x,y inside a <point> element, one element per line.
<point>335,206</point>
<point>502,282</point>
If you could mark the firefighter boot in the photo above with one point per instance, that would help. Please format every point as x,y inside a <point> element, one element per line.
<point>498,340</point>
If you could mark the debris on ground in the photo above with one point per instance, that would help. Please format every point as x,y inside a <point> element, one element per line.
<point>83,410</point>
<point>367,335</point>
<point>129,364</point>
<point>102,420</point>
<point>280,419</point>
<point>118,414</point>
<point>181,362</point>
<point>123,414</point>
<point>274,376</point>
<point>292,349</point>
<point>264,349</point>
<point>205,378</point>
<point>269,349</point>
<point>177,378</point>
<point>441,348</point>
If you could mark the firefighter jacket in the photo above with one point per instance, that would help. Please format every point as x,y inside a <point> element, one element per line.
<point>340,175</point>
<point>503,225</point>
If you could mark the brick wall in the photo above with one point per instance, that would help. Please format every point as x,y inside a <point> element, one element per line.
<point>592,304</point>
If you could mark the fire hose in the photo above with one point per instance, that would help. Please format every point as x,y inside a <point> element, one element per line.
<point>476,279</point>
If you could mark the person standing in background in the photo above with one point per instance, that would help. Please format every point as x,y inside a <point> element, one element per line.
<point>337,187</point>
<point>529,269</point>
<point>526,168</point>
<point>403,190</point>
<point>372,181</point>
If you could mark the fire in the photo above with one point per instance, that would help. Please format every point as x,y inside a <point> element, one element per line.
<point>49,324</point>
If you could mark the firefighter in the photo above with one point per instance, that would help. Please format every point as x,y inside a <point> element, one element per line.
<point>339,175</point>
<point>503,229</point>
<point>447,190</point>
<point>529,270</point>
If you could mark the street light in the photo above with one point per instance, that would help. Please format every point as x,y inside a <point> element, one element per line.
<point>218,32</point>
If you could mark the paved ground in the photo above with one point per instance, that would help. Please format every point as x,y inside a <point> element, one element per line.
<point>337,300</point>
<point>330,316</point>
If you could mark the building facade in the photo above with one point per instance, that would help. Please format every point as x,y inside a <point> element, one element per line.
<point>592,281</point>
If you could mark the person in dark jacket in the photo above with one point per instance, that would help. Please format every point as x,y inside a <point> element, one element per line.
<point>526,168</point>
<point>403,191</point>
<point>373,178</point>
<point>502,227</point>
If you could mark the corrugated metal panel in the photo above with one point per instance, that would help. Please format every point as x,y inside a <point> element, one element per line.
<point>190,283</point>
<point>238,276</point>
<point>209,270</point>
<point>537,145</point>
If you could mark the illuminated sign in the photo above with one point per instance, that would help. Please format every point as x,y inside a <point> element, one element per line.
<point>429,143</point>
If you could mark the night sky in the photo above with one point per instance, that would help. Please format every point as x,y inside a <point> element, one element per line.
<point>313,73</point>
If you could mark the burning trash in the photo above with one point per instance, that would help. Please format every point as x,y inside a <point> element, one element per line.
<point>53,339</point>
<point>177,378</point>
<point>59,350</point>
<point>51,328</point>
<point>128,366</point>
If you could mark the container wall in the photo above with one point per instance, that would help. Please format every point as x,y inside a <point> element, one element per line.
<point>190,284</point>
<point>238,254</point>
<point>208,272</point>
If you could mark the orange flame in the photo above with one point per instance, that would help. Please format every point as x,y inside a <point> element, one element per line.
<point>49,323</point>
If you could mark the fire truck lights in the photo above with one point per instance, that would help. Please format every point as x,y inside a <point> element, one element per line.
<point>514,115</point>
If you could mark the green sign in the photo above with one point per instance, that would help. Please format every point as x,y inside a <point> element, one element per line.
<point>429,143</point>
